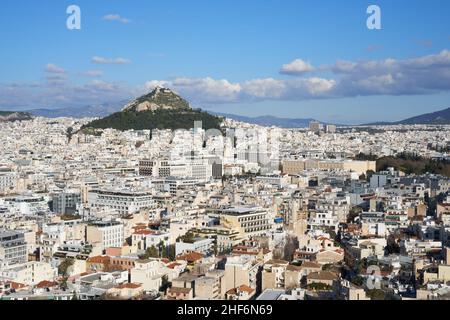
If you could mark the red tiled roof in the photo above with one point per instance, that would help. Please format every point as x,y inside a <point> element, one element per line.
<point>46,284</point>
<point>129,286</point>
<point>246,288</point>
<point>99,259</point>
<point>143,232</point>
<point>191,257</point>
<point>177,290</point>
<point>242,288</point>
<point>17,285</point>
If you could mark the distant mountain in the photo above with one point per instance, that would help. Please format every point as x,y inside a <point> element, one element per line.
<point>439,117</point>
<point>435,118</point>
<point>160,109</point>
<point>94,111</point>
<point>10,116</point>
<point>269,120</point>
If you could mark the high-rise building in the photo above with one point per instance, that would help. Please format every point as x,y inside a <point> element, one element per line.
<point>315,126</point>
<point>330,128</point>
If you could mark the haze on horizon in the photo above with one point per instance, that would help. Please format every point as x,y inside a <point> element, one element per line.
<point>297,60</point>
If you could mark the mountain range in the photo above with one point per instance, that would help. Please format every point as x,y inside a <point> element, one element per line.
<point>153,102</point>
<point>268,121</point>
<point>91,111</point>
<point>441,117</point>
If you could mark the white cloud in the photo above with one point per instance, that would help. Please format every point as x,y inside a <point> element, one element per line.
<point>58,94</point>
<point>103,60</point>
<point>208,89</point>
<point>264,88</point>
<point>101,85</point>
<point>53,68</point>
<point>93,73</point>
<point>55,75</point>
<point>422,75</point>
<point>116,17</point>
<point>150,85</point>
<point>297,67</point>
<point>318,86</point>
<point>416,76</point>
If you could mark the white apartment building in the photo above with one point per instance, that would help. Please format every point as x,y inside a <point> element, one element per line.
<point>241,270</point>
<point>147,272</point>
<point>144,239</point>
<point>196,167</point>
<point>8,180</point>
<point>198,245</point>
<point>319,220</point>
<point>248,221</point>
<point>123,202</point>
<point>13,248</point>
<point>29,273</point>
<point>107,234</point>
<point>173,183</point>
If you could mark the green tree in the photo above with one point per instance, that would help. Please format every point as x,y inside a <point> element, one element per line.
<point>376,294</point>
<point>69,133</point>
<point>369,174</point>
<point>392,246</point>
<point>358,281</point>
<point>187,238</point>
<point>164,283</point>
<point>64,266</point>
<point>151,252</point>
<point>161,248</point>
<point>319,286</point>
<point>354,212</point>
<point>215,248</point>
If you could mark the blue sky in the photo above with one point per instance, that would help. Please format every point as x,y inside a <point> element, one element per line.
<point>286,58</point>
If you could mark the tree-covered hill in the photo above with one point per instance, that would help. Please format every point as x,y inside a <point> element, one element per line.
<point>159,109</point>
<point>157,119</point>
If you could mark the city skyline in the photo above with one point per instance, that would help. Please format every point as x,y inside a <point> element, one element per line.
<point>223,58</point>
<point>219,158</point>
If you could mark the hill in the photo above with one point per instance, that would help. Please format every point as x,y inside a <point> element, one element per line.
<point>7,116</point>
<point>92,111</point>
<point>159,98</point>
<point>441,117</point>
<point>160,109</point>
